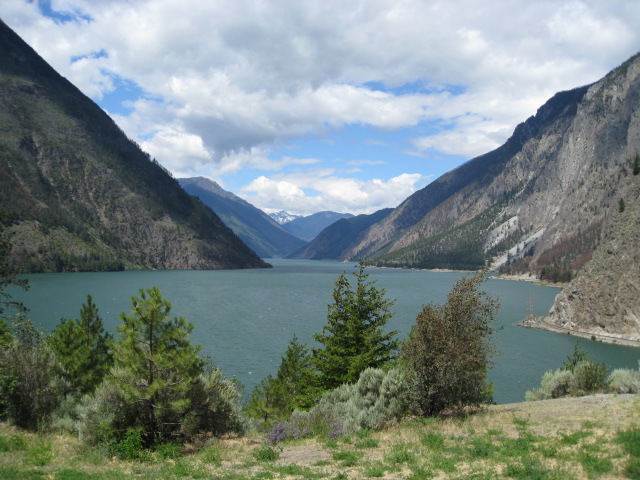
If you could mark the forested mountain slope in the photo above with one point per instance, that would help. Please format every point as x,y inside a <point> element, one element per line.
<point>81,195</point>
<point>257,229</point>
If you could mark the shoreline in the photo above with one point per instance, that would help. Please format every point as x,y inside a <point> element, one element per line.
<point>532,321</point>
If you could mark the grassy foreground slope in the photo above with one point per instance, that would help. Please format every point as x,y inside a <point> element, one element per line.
<point>586,437</point>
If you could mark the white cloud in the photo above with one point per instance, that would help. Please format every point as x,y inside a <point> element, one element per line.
<point>315,190</point>
<point>226,83</point>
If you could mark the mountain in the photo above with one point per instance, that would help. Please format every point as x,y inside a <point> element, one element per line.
<point>536,204</point>
<point>283,217</point>
<point>257,229</point>
<point>602,301</point>
<point>80,195</point>
<point>308,227</point>
<point>332,242</point>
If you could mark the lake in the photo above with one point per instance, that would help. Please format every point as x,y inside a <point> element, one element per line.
<point>244,319</point>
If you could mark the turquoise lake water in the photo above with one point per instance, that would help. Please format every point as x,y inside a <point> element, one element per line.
<point>244,319</point>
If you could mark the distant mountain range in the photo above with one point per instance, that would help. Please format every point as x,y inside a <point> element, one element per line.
<point>257,229</point>
<point>310,226</point>
<point>332,242</point>
<point>80,195</point>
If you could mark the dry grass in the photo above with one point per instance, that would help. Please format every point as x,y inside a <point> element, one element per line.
<point>566,438</point>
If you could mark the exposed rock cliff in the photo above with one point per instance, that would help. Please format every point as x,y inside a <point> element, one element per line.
<point>603,301</point>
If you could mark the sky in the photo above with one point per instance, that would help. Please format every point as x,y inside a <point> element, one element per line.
<point>312,105</point>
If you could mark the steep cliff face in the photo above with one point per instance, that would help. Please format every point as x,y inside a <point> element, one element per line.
<point>80,195</point>
<point>603,301</point>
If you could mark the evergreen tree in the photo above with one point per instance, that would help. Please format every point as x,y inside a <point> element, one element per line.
<point>82,349</point>
<point>296,378</point>
<point>354,338</point>
<point>156,367</point>
<point>448,352</point>
<point>294,386</point>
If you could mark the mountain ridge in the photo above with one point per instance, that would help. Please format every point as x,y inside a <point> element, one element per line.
<point>80,195</point>
<point>257,229</point>
<point>308,227</point>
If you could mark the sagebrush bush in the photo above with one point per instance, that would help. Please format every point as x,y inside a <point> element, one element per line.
<point>585,378</point>
<point>624,380</point>
<point>553,385</point>
<point>104,416</point>
<point>379,397</point>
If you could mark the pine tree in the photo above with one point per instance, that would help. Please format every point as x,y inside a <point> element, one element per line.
<point>293,387</point>
<point>82,349</point>
<point>155,366</point>
<point>354,338</point>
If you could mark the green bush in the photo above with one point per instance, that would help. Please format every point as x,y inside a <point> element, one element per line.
<point>29,388</point>
<point>130,447</point>
<point>589,377</point>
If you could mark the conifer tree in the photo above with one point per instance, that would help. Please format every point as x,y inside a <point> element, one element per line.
<point>155,366</point>
<point>82,349</point>
<point>296,377</point>
<point>354,338</point>
<point>293,387</point>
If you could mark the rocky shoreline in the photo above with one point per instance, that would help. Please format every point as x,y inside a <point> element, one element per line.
<point>532,321</point>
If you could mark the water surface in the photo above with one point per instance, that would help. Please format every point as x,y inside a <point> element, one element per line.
<point>244,319</point>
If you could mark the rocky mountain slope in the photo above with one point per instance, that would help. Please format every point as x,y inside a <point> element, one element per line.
<point>535,204</point>
<point>603,300</point>
<point>257,229</point>
<point>310,226</point>
<point>80,195</point>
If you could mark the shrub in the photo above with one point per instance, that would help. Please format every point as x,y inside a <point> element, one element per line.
<point>623,380</point>
<point>449,351</point>
<point>130,447</point>
<point>104,417</point>
<point>586,378</point>
<point>378,398</point>
<point>215,405</point>
<point>589,377</point>
<point>553,385</point>
<point>29,388</point>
